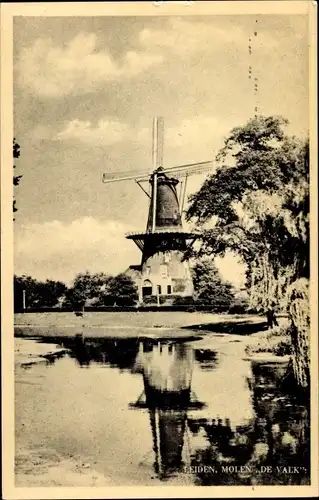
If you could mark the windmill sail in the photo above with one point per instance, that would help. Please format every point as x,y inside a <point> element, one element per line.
<point>158,142</point>
<point>144,175</point>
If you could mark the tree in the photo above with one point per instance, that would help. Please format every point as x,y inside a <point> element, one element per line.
<point>101,289</point>
<point>50,292</point>
<point>258,202</point>
<point>38,294</point>
<point>208,286</point>
<point>28,286</point>
<point>121,290</point>
<point>86,286</point>
<point>16,178</point>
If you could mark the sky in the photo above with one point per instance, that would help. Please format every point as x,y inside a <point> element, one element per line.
<point>86,90</point>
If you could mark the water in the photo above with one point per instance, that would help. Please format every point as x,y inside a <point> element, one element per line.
<point>130,411</point>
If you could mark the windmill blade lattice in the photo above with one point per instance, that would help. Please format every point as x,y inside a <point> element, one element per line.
<point>144,175</point>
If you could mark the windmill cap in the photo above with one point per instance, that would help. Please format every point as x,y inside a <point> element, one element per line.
<point>162,177</point>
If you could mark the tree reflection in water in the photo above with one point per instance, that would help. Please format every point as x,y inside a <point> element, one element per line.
<point>120,353</point>
<point>276,436</point>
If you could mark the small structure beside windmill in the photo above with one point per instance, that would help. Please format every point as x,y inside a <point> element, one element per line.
<point>163,270</point>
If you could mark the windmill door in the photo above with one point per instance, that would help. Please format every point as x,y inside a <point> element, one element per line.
<point>147,288</point>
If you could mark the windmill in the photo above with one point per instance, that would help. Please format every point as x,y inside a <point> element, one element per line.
<point>162,270</point>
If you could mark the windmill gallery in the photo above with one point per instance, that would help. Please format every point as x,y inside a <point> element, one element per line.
<point>163,271</point>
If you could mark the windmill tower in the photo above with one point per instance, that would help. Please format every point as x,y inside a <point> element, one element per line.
<point>162,270</point>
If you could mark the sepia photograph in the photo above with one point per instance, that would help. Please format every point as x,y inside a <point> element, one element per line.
<point>157,249</point>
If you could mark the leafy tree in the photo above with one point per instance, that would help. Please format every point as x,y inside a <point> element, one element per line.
<point>121,290</point>
<point>37,293</point>
<point>50,292</point>
<point>74,298</point>
<point>257,203</point>
<point>208,286</point>
<point>16,178</point>
<point>86,286</point>
<point>100,289</point>
<point>27,285</point>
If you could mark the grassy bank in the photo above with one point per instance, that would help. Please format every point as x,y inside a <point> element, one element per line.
<point>158,319</point>
<point>276,341</point>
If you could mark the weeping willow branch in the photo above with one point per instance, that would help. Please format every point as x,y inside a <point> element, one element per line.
<point>300,331</point>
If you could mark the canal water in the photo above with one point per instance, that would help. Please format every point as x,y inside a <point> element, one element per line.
<point>147,411</point>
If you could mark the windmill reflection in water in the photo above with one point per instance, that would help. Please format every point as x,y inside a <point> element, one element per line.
<point>167,374</point>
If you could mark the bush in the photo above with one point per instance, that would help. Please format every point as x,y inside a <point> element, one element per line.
<point>166,299</point>
<point>183,301</point>
<point>150,300</point>
<point>283,348</point>
<point>239,305</point>
<point>125,300</point>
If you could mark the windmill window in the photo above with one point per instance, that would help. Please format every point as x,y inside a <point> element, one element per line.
<point>164,272</point>
<point>169,289</point>
<point>159,289</point>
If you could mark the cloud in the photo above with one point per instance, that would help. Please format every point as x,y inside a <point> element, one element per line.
<point>51,70</point>
<point>106,132</point>
<point>185,37</point>
<point>200,129</point>
<point>42,132</point>
<point>57,250</point>
<point>196,138</point>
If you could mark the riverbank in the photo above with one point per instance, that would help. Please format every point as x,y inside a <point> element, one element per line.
<point>259,342</point>
<point>99,324</point>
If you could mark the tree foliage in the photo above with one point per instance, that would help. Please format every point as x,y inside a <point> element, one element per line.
<point>86,287</point>
<point>257,202</point>
<point>120,290</point>
<point>209,287</point>
<point>299,312</point>
<point>37,293</point>
<point>86,290</point>
<point>101,289</point>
